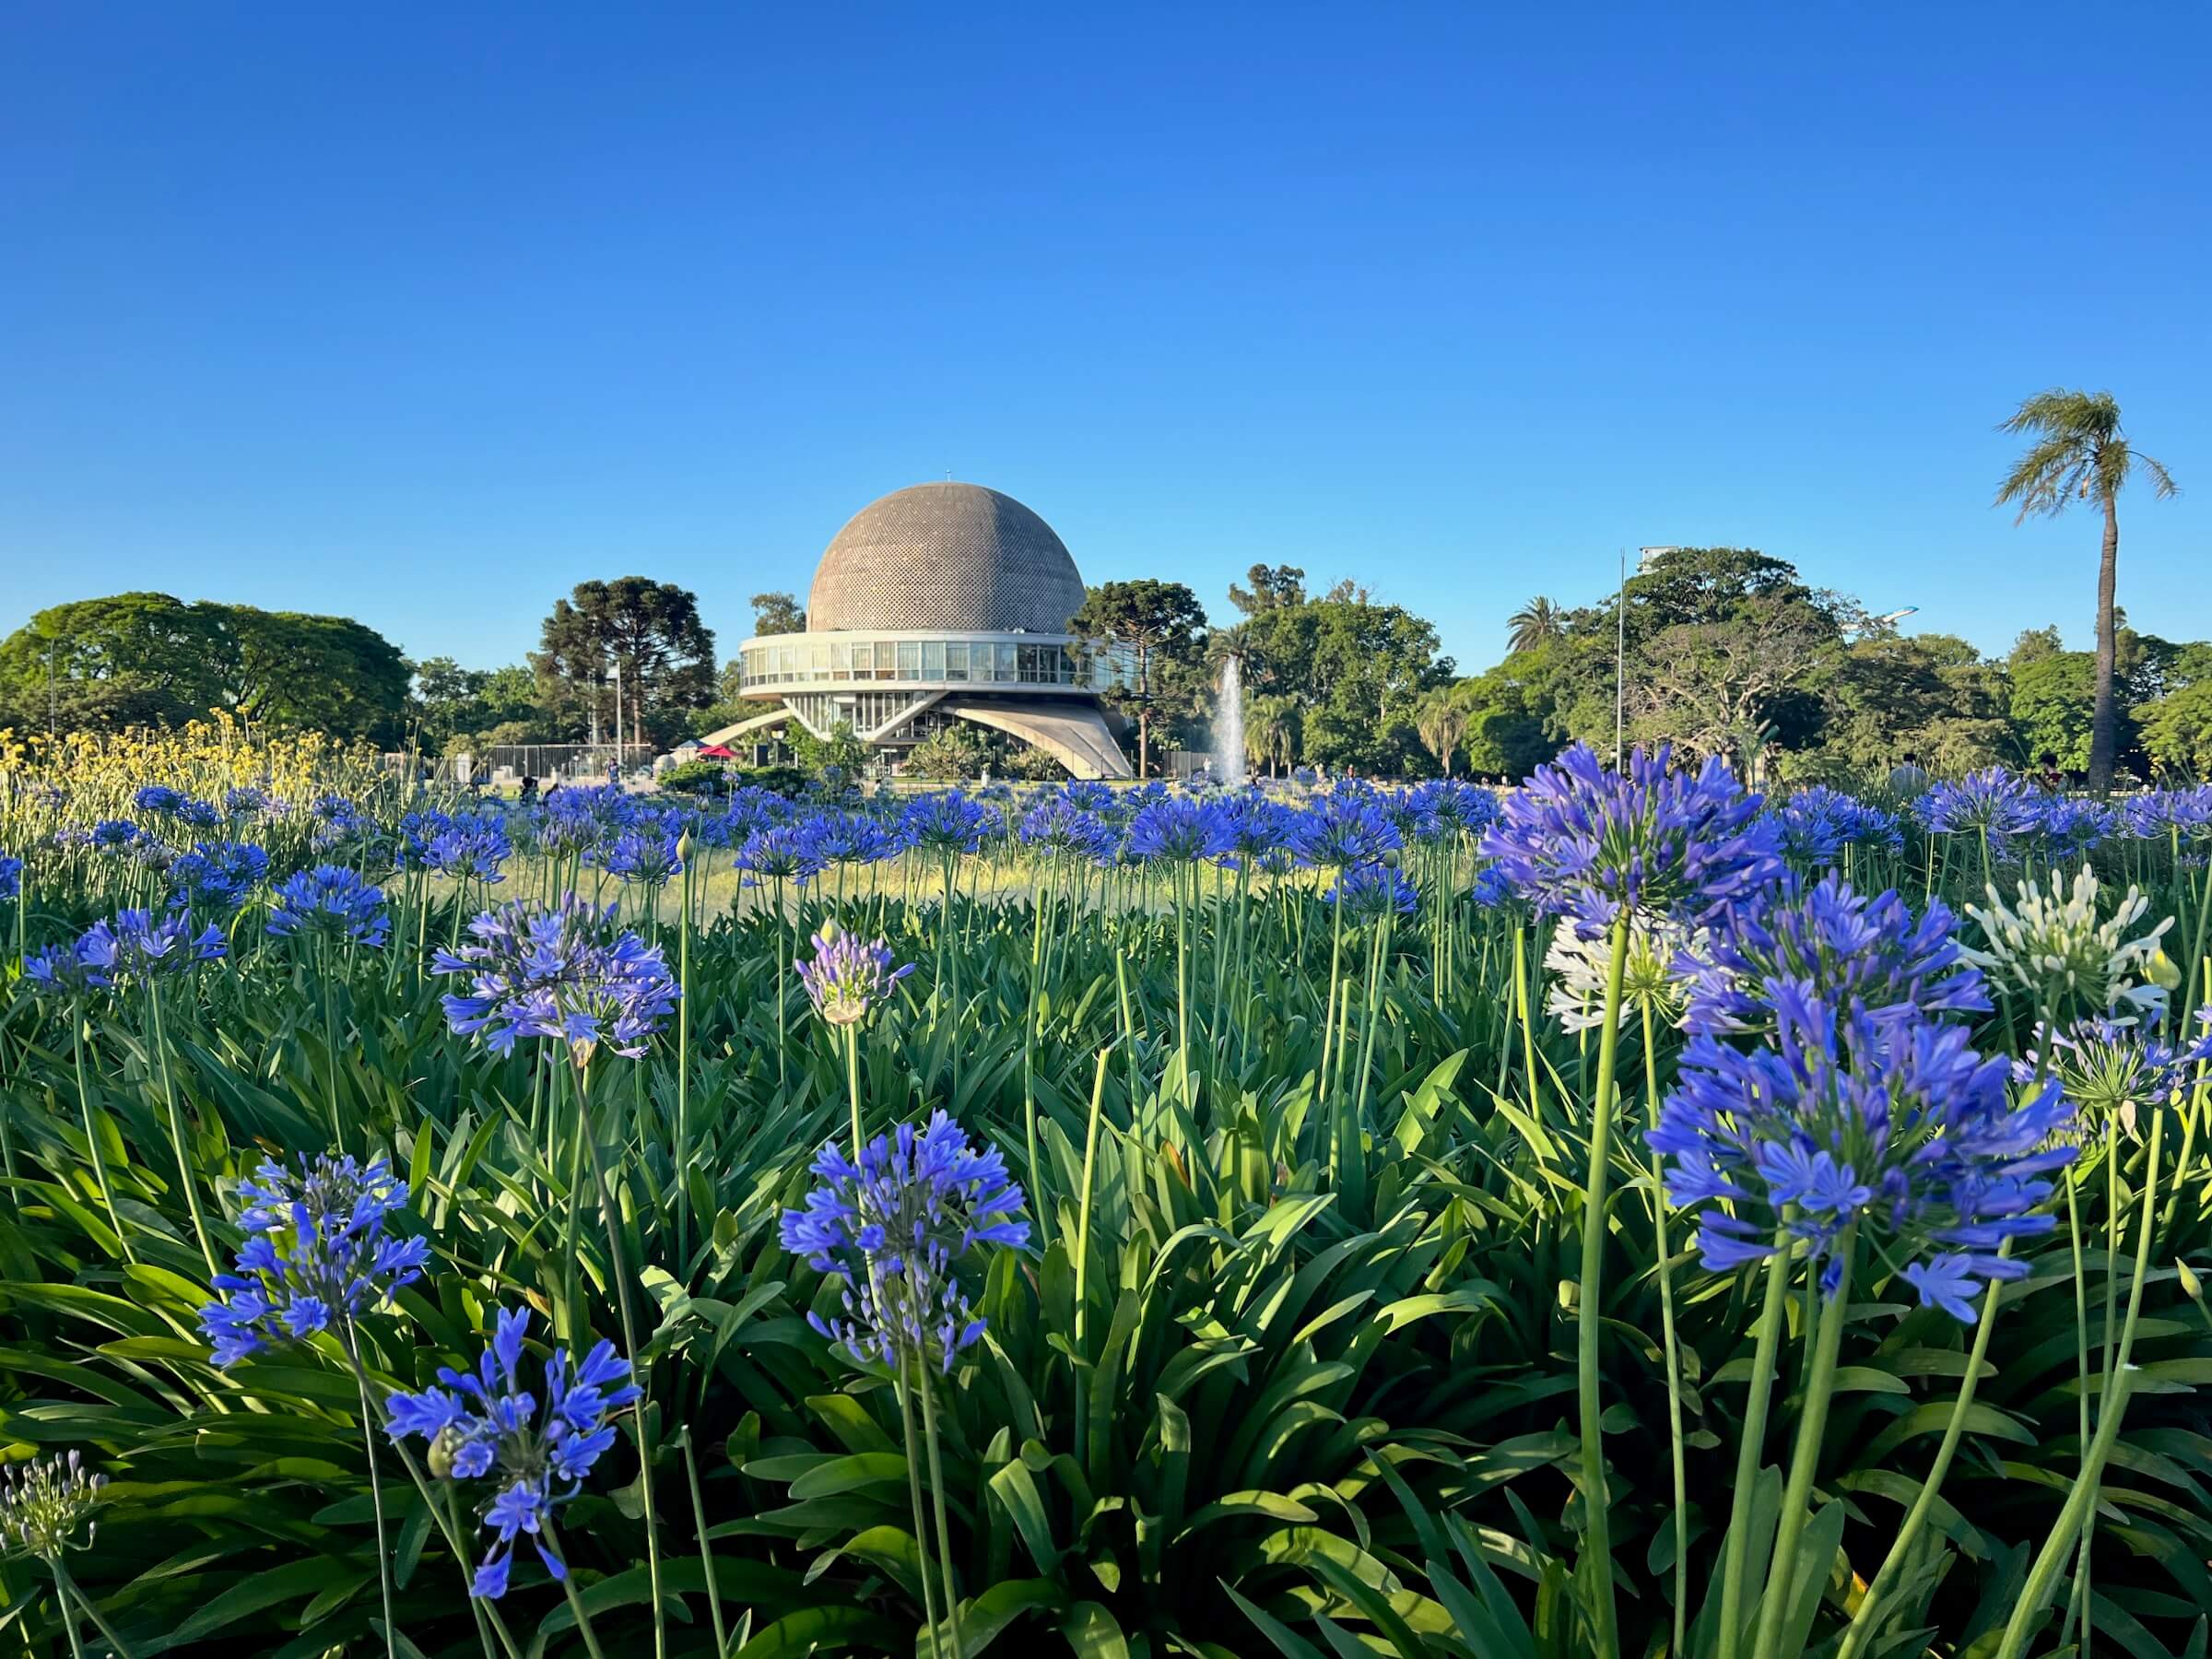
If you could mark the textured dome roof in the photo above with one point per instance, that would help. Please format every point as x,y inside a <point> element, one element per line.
<point>950,557</point>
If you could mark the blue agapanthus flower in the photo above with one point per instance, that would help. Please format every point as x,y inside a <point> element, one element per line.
<point>1581,840</point>
<point>561,972</point>
<point>1444,807</point>
<point>1996,804</point>
<point>195,814</point>
<point>2067,828</point>
<point>63,973</point>
<point>218,875</point>
<point>330,902</point>
<point>1057,826</point>
<point>116,835</point>
<point>320,1252</point>
<point>158,799</point>
<point>1371,893</point>
<point>647,856</point>
<point>1819,823</point>
<point>1843,946</point>
<point>948,823</point>
<point>780,853</point>
<point>2180,818</point>
<point>11,877</point>
<point>1492,888</point>
<point>470,849</point>
<point>1247,831</point>
<point>1846,1118</point>
<point>894,1228</point>
<point>338,820</point>
<point>136,946</point>
<point>245,801</point>
<point>850,838</point>
<point>1343,830</point>
<point>1176,831</point>
<point>488,1425</point>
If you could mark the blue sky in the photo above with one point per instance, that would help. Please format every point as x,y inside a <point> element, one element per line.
<point>424,314</point>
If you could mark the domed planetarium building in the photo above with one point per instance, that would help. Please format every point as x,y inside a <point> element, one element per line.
<point>941,603</point>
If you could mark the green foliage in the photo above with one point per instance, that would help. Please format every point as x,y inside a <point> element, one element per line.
<point>1157,627</point>
<point>948,755</point>
<point>1357,674</point>
<point>2177,730</point>
<point>455,708</point>
<point>777,613</point>
<point>147,659</point>
<point>2054,706</point>
<point>814,756</point>
<point>697,777</point>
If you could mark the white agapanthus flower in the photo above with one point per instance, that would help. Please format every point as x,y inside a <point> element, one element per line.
<point>1578,968</point>
<point>2051,946</point>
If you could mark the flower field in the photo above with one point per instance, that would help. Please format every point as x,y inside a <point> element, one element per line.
<point>1622,1216</point>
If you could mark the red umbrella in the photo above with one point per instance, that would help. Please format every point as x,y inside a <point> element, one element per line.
<point>715,752</point>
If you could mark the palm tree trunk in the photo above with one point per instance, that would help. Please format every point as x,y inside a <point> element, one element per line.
<point>2104,726</point>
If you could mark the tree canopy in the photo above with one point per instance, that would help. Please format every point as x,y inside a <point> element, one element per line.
<point>650,633</point>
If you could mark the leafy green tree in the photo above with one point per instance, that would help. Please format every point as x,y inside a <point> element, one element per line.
<point>2177,730</point>
<point>841,749</point>
<point>1273,587</point>
<point>132,659</point>
<point>778,614</point>
<point>1356,671</point>
<point>1930,695</point>
<point>947,755</point>
<point>2053,708</point>
<point>1441,718</point>
<point>1534,623</point>
<point>1159,625</point>
<point>1271,734</point>
<point>650,631</point>
<point>2080,453</point>
<point>323,673</point>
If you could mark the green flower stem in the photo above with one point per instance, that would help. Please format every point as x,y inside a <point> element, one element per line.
<point>1753,1440</point>
<point>62,1585</point>
<point>619,1271</point>
<point>176,1128</point>
<point>1671,1346</point>
<point>1590,1310</point>
<point>2035,1597</point>
<point>487,1615</point>
<point>937,1499</point>
<point>1812,1420</point>
<point>376,1491</point>
<point>852,1086</point>
<point>913,1494</point>
<point>330,1039</point>
<point>1090,1153</point>
<point>683,1081</point>
<point>1862,1623</point>
<point>706,1550</point>
<point>568,1588</point>
<point>84,1107</point>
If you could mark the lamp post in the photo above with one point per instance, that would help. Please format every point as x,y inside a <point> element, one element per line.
<point>616,676</point>
<point>1645,559</point>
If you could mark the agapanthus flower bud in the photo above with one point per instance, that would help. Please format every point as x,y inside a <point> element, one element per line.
<point>847,980</point>
<point>43,1501</point>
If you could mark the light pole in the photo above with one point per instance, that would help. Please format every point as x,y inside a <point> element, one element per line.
<point>616,674</point>
<point>1645,559</point>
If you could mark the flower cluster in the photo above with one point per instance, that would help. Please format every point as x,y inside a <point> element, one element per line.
<point>1058,827</point>
<point>1581,840</point>
<point>319,1251</point>
<point>2051,946</point>
<point>218,875</point>
<point>2117,1068</point>
<point>133,948</point>
<point>948,824</point>
<point>1819,823</point>
<point>1661,953</point>
<point>2067,828</point>
<point>1845,1119</point>
<point>561,972</point>
<point>648,855</point>
<point>1848,948</point>
<point>42,1502</point>
<point>487,1425</point>
<point>893,1227</point>
<point>1445,807</point>
<point>779,852</point>
<point>11,878</point>
<point>1371,893</point>
<point>466,846</point>
<point>330,902</point>
<point>1176,830</point>
<point>1343,830</point>
<point>1995,803</point>
<point>847,980</point>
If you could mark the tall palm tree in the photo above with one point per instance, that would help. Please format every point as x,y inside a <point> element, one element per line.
<point>1270,732</point>
<point>1534,623</point>
<point>2080,453</point>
